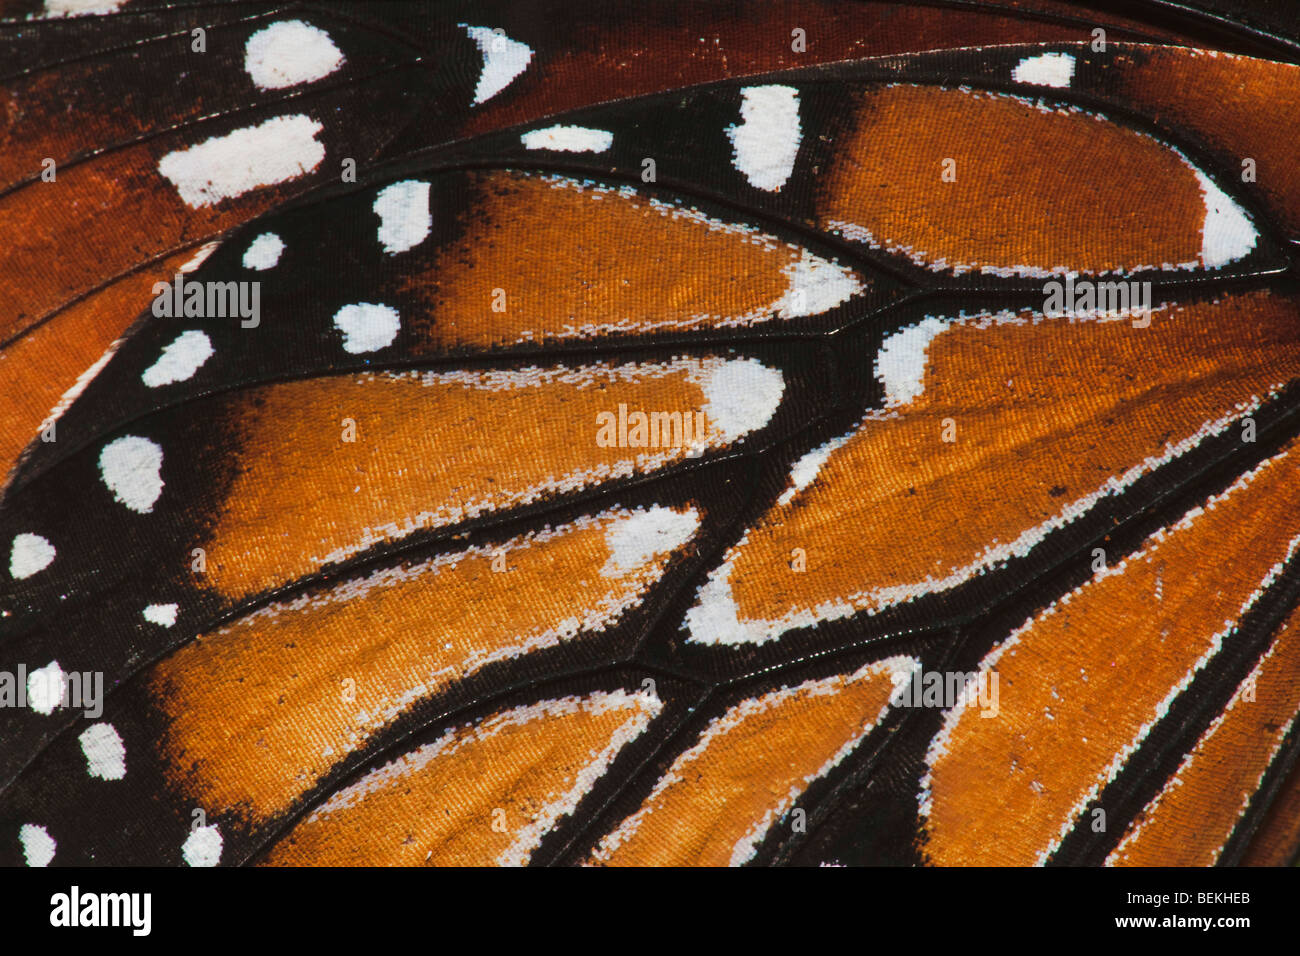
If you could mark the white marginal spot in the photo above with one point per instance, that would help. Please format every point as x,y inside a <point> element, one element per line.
<point>404,219</point>
<point>202,847</point>
<point>30,553</point>
<point>224,167</point>
<point>568,139</point>
<point>900,364</point>
<point>817,285</point>
<point>637,538</point>
<point>1227,234</point>
<point>740,396</point>
<point>288,53</point>
<point>131,468</point>
<point>38,845</point>
<point>104,750</point>
<point>503,60</point>
<point>1046,69</point>
<point>45,687</point>
<point>80,8</point>
<point>367,327</point>
<point>263,252</point>
<point>766,141</point>
<point>163,614</point>
<point>180,360</point>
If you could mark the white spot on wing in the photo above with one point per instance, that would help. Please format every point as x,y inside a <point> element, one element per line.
<point>80,8</point>
<point>202,847</point>
<point>30,553</point>
<point>38,845</point>
<point>224,167</point>
<point>503,60</point>
<point>367,327</point>
<point>403,211</point>
<point>131,467</point>
<point>767,140</point>
<point>180,360</point>
<point>45,688</point>
<point>1046,69</point>
<point>643,535</point>
<point>288,53</point>
<point>816,286</point>
<point>1227,234</point>
<point>164,614</point>
<point>740,396</point>
<point>263,252</point>
<point>900,363</point>
<point>569,139</point>
<point>104,751</point>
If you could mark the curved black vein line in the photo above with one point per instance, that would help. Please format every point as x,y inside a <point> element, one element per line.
<point>105,52</point>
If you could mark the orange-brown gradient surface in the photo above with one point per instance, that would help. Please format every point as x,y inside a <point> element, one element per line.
<point>1081,682</point>
<point>258,712</point>
<point>579,261</point>
<point>1034,187</point>
<point>429,452</point>
<point>481,795</point>
<point>1045,414</point>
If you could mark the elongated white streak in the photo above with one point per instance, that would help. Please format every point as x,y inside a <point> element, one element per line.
<point>81,8</point>
<point>79,386</point>
<point>225,167</point>
<point>568,139</point>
